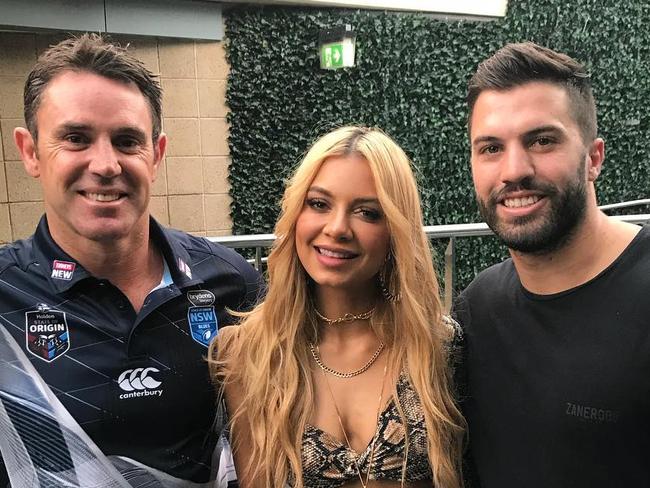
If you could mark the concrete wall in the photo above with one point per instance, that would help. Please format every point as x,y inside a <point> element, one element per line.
<point>191,192</point>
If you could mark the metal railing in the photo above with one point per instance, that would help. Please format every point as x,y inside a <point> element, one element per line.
<point>448,231</point>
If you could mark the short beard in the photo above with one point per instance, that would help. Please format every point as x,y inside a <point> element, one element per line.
<point>554,229</point>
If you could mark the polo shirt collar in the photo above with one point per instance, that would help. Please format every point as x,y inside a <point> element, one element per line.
<point>175,254</point>
<point>63,272</point>
<point>59,268</point>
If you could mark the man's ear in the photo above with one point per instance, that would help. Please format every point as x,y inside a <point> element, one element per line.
<point>596,157</point>
<point>28,153</point>
<point>159,148</point>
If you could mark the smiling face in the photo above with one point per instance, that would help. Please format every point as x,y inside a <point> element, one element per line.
<point>531,168</point>
<point>342,237</point>
<point>94,156</point>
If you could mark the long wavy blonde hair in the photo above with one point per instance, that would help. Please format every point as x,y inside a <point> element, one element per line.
<point>272,364</point>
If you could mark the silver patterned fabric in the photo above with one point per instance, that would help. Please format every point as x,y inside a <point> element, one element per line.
<point>42,446</point>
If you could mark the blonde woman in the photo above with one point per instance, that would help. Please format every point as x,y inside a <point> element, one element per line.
<point>340,377</point>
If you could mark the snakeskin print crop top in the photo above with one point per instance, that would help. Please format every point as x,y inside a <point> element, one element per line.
<point>328,463</point>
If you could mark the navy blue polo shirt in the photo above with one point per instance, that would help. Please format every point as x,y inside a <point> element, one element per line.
<point>137,383</point>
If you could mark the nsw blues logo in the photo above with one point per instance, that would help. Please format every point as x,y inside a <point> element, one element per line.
<point>203,324</point>
<point>47,334</point>
<point>202,317</point>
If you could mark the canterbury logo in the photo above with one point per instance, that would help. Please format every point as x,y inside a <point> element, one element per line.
<point>138,379</point>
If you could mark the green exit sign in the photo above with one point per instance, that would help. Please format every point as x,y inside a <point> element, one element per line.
<point>337,46</point>
<point>331,56</point>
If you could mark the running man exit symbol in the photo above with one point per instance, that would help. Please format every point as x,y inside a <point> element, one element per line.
<point>332,56</point>
<point>337,47</point>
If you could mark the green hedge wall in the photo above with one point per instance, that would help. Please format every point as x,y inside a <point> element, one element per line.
<point>410,80</point>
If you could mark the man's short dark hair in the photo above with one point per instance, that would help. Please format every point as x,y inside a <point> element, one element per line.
<point>91,53</point>
<point>517,64</point>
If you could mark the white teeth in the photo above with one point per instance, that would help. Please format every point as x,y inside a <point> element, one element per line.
<point>521,202</point>
<point>333,254</point>
<point>103,197</point>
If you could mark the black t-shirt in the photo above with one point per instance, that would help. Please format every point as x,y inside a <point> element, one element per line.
<point>558,386</point>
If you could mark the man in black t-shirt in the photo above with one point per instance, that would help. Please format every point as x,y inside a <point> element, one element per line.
<point>557,353</point>
<point>114,311</point>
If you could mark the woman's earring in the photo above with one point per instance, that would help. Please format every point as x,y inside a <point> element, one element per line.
<point>388,275</point>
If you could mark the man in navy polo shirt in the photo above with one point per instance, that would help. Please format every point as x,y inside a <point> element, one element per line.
<point>114,311</point>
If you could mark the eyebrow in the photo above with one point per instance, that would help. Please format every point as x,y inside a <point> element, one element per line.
<point>132,131</point>
<point>356,201</point>
<point>543,129</point>
<point>527,135</point>
<point>77,127</point>
<point>482,139</point>
<point>71,127</point>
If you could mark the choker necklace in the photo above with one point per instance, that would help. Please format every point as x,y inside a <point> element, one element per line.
<point>348,317</point>
<point>326,369</point>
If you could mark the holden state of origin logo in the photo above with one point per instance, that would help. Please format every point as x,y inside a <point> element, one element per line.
<point>46,333</point>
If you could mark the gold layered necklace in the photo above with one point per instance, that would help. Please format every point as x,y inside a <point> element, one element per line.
<point>345,434</point>
<point>315,353</point>
<point>348,317</point>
